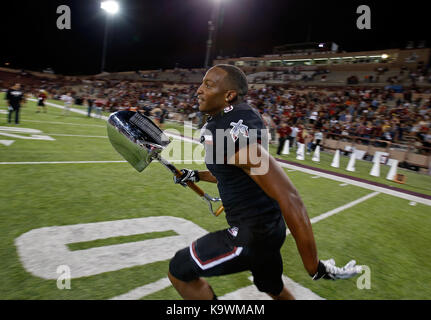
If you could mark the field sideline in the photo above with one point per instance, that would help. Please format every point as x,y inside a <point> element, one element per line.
<point>90,183</point>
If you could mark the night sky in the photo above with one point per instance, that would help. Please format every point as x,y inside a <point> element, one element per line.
<point>167,33</point>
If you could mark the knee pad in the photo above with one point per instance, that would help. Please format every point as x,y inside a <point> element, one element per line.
<point>182,266</point>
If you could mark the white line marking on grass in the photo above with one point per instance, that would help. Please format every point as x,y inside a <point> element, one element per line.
<point>251,292</point>
<point>67,123</point>
<point>143,291</point>
<point>169,134</point>
<point>339,209</point>
<point>342,208</point>
<point>75,135</point>
<point>360,184</point>
<point>412,203</point>
<point>71,109</point>
<point>62,162</point>
<point>185,161</point>
<point>6,143</point>
<point>315,177</point>
<point>344,184</point>
<point>80,162</point>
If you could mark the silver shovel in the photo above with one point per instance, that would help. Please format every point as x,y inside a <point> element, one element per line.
<point>140,141</point>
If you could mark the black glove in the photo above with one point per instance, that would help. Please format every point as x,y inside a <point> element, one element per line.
<point>328,270</point>
<point>187,175</point>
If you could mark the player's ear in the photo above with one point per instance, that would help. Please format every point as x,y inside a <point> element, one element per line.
<point>231,96</point>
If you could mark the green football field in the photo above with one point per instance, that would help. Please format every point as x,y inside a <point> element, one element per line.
<point>69,200</point>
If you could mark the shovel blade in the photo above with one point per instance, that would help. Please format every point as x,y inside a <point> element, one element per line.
<point>129,141</point>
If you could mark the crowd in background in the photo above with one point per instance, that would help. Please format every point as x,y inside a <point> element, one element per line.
<point>370,113</point>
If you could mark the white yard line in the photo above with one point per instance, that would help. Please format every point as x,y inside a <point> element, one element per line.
<point>80,162</point>
<point>344,207</point>
<point>143,291</point>
<point>61,162</point>
<point>66,123</point>
<point>251,292</point>
<point>339,209</point>
<point>59,106</point>
<point>359,184</point>
<point>75,135</point>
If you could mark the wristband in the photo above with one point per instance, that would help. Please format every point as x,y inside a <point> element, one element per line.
<point>197,179</point>
<point>321,271</point>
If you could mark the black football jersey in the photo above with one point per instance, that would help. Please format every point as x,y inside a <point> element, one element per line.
<point>244,201</point>
<point>15,97</point>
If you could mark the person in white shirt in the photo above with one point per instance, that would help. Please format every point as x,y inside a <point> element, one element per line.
<point>68,100</point>
<point>313,117</point>
<point>269,123</point>
<point>318,137</point>
<point>293,135</point>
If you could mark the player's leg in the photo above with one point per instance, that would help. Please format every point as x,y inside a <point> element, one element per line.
<point>197,289</point>
<point>17,115</point>
<point>283,295</point>
<point>9,115</point>
<point>267,265</point>
<point>211,255</point>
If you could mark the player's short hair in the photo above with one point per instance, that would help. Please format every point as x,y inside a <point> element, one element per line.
<point>236,79</point>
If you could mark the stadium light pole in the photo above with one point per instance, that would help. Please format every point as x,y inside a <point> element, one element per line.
<point>111,8</point>
<point>213,25</point>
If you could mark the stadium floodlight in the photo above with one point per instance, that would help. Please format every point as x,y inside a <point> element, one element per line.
<point>110,6</point>
<point>213,26</point>
<point>385,56</point>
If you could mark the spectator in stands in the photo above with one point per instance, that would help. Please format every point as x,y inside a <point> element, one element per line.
<point>284,132</point>
<point>270,125</point>
<point>157,114</point>
<point>293,135</point>
<point>318,138</point>
<point>302,134</point>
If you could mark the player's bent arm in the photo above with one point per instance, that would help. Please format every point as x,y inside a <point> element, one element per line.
<point>268,174</point>
<point>207,176</point>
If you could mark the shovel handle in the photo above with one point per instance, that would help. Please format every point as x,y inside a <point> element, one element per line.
<point>219,210</point>
<point>198,190</point>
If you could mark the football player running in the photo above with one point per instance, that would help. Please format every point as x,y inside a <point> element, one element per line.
<point>259,200</point>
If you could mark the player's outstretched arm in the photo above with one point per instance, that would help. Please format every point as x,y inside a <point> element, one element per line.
<point>268,174</point>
